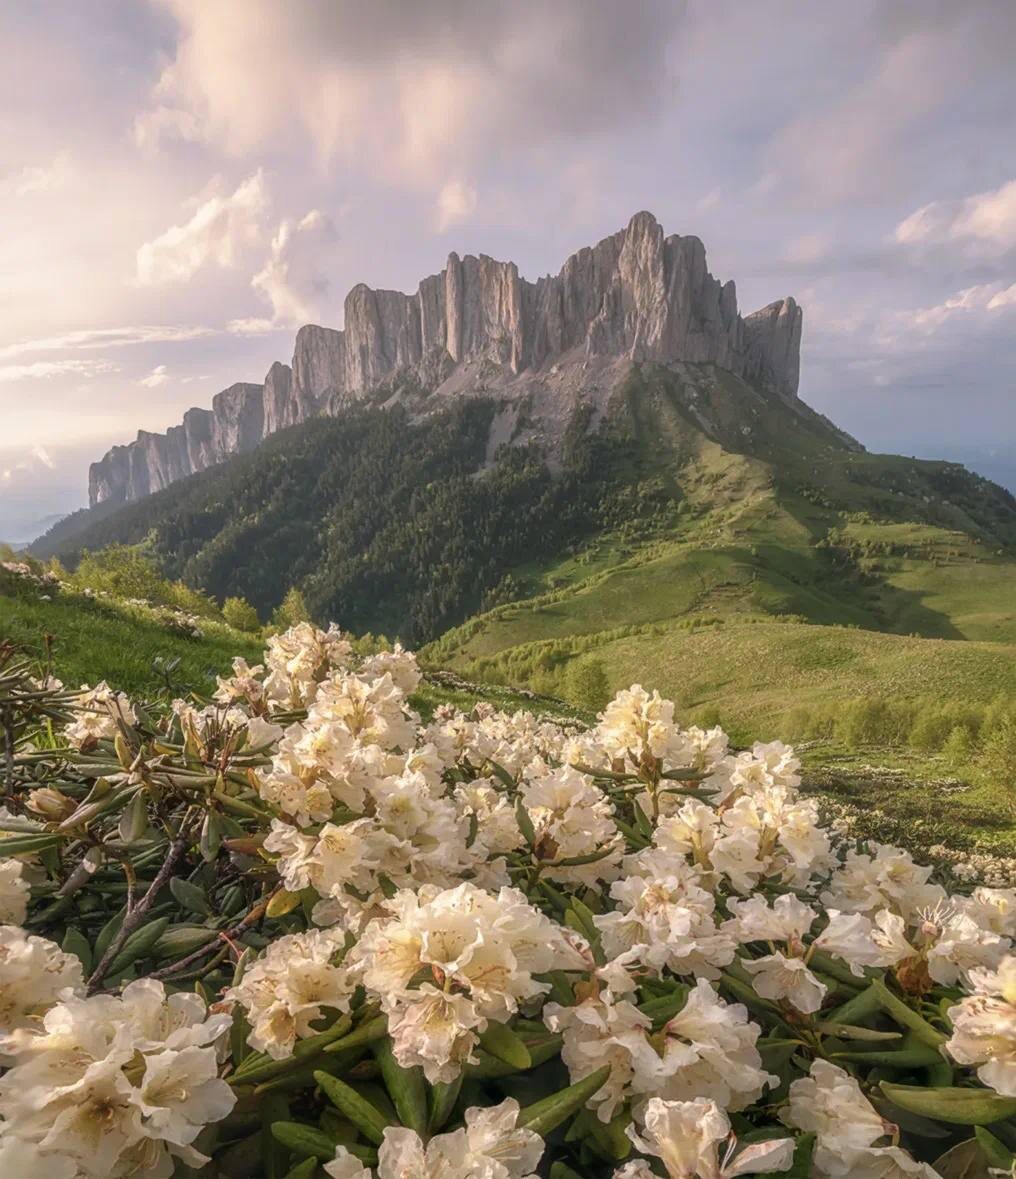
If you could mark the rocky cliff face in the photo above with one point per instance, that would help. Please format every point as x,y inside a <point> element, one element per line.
<point>635,296</point>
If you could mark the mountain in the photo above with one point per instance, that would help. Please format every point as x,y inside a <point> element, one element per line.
<point>543,347</point>
<point>567,500</point>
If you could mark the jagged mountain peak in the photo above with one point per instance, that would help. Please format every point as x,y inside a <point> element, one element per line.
<point>635,296</point>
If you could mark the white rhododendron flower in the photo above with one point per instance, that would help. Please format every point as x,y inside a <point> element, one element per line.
<point>665,918</point>
<point>693,1140</point>
<point>244,685</point>
<point>472,957</point>
<point>14,890</point>
<point>397,663</point>
<point>598,1032</point>
<point>984,1027</point>
<point>638,725</point>
<point>634,905</point>
<point>829,1103</point>
<point>99,713</point>
<point>290,987</point>
<point>117,1085</point>
<point>489,1146</point>
<point>298,659</point>
<point>572,818</point>
<point>34,972</point>
<point>889,879</point>
<point>707,1050</point>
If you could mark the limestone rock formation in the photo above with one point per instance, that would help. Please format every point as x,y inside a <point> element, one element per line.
<point>636,296</point>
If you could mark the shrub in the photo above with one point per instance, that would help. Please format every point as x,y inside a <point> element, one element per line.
<point>546,952</point>
<point>585,683</point>
<point>240,614</point>
<point>290,611</point>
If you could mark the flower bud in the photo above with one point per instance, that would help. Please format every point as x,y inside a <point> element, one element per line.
<point>51,804</point>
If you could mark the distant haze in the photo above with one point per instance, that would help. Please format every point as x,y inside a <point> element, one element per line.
<point>185,183</point>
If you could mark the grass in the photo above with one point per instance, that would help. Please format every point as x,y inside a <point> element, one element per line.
<point>92,641</point>
<point>743,675</point>
<point>912,800</point>
<point>751,672</point>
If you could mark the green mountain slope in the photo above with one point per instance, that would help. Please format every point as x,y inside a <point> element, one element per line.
<point>696,502</point>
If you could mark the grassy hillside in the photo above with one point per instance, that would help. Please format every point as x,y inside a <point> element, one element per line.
<point>95,640</point>
<point>750,672</point>
<point>698,496</point>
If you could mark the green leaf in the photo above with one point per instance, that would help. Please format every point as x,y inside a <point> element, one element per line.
<point>75,942</point>
<point>907,1017</point>
<point>275,1154</point>
<point>134,819</point>
<point>18,845</point>
<point>500,1041</point>
<point>304,1140</point>
<point>846,1031</point>
<point>919,1056</point>
<point>366,1033</point>
<point>525,823</point>
<point>211,837</point>
<point>860,1007</point>
<point>666,1007</point>
<point>563,1171</point>
<point>643,824</point>
<point>611,1137</point>
<point>804,1149</point>
<point>190,896</point>
<point>543,1116</point>
<point>960,1107</point>
<point>443,1097</point>
<point>259,1066</point>
<point>138,945</point>
<point>995,1151</point>
<point>406,1087</point>
<point>368,1119</point>
<point>108,932</point>
<point>182,939</point>
<point>304,1170</point>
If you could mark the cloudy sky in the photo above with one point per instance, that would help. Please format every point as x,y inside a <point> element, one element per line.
<point>184,182</point>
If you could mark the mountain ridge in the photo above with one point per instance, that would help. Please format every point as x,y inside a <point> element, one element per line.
<point>636,296</point>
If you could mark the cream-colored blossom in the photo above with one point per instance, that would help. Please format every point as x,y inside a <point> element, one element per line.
<point>33,973</point>
<point>14,890</point>
<point>984,1027</point>
<point>290,987</point>
<point>693,1140</point>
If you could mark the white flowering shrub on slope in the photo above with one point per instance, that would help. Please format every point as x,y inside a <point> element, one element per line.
<point>295,931</point>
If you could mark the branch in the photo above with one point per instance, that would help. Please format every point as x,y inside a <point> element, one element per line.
<point>225,935</point>
<point>136,915</point>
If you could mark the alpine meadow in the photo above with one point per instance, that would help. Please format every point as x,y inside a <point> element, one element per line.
<point>541,730</point>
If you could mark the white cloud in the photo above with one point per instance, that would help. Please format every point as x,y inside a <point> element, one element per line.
<point>40,454</point>
<point>36,178</point>
<point>807,249</point>
<point>114,337</point>
<point>294,279</point>
<point>219,231</point>
<point>986,218</point>
<point>252,326</point>
<point>410,92</point>
<point>158,376</point>
<point>709,200</point>
<point>984,298</point>
<point>456,202</point>
<point>43,369</point>
<point>160,123</point>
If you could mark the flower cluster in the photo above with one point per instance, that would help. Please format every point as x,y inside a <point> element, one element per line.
<point>436,941</point>
<point>108,1086</point>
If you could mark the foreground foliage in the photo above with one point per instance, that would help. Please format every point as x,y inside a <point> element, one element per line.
<point>295,930</point>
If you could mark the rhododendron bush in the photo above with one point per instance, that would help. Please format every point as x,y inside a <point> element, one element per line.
<point>298,931</point>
